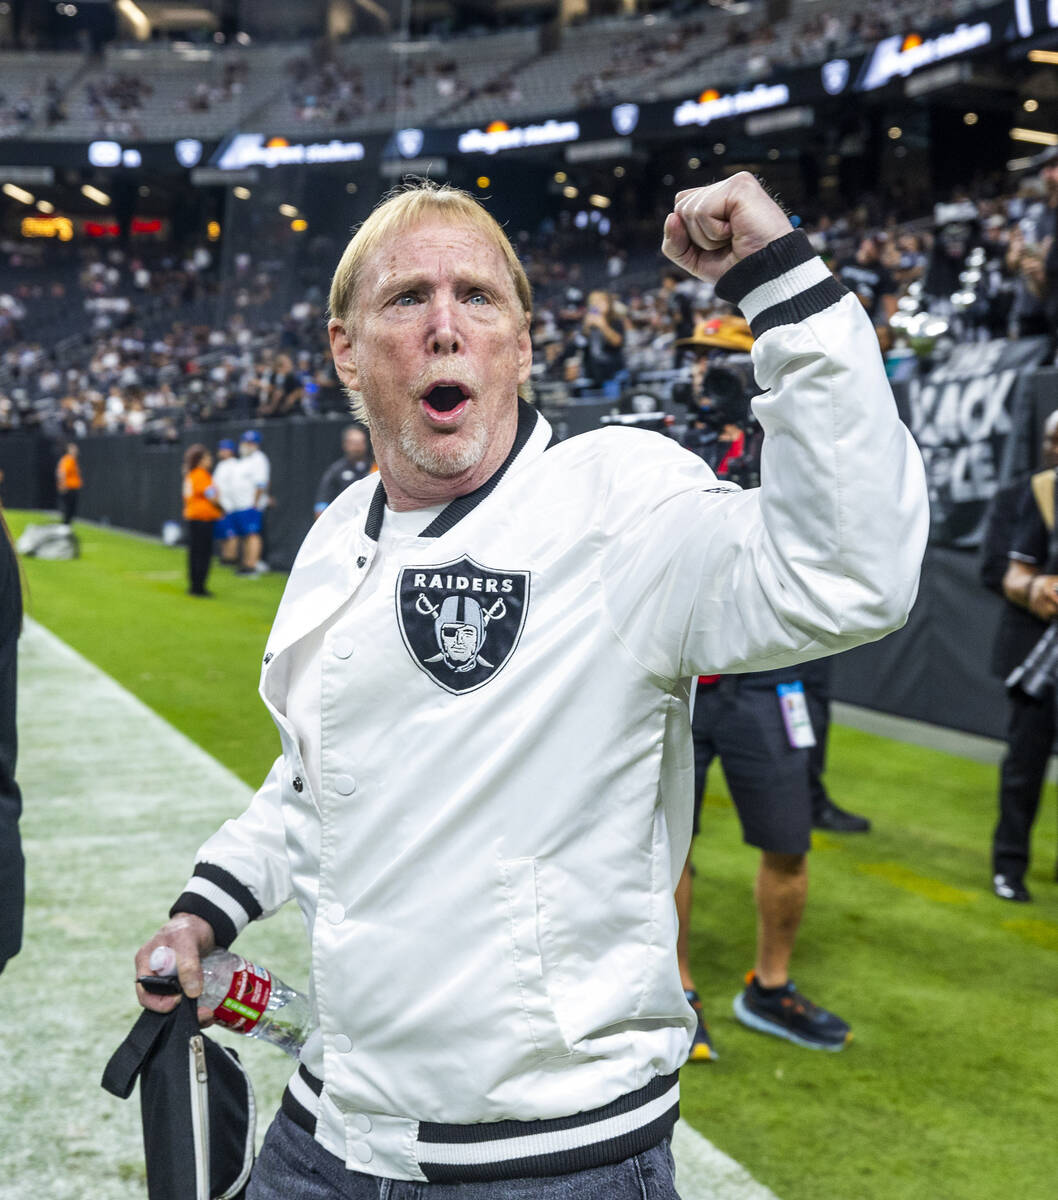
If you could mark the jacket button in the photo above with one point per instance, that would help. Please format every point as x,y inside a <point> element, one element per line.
<point>362,1151</point>
<point>362,1121</point>
<point>344,785</point>
<point>343,647</point>
<point>335,913</point>
<point>343,1044</point>
<point>298,785</point>
<point>268,657</point>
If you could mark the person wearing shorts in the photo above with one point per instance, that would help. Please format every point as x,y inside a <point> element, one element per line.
<point>760,731</point>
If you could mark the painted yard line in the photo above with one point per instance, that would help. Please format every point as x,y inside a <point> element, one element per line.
<point>67,702</point>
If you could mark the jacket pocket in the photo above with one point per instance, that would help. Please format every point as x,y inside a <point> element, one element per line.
<point>524,916</point>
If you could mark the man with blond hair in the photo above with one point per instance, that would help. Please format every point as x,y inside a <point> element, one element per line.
<point>484,844</point>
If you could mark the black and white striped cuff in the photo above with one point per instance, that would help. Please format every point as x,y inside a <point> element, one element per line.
<point>301,1099</point>
<point>218,897</point>
<point>781,284</point>
<point>498,1150</point>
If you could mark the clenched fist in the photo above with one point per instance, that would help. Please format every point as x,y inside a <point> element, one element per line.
<point>712,228</point>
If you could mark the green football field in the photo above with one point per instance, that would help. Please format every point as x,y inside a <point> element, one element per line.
<point>946,1091</point>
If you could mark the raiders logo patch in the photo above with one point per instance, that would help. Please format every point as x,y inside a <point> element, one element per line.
<point>461,621</point>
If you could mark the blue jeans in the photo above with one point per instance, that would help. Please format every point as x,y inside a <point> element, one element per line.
<point>294,1166</point>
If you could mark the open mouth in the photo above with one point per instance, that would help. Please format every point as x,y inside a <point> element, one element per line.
<point>445,401</point>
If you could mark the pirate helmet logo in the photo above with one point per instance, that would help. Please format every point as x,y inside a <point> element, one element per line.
<point>409,142</point>
<point>835,74</point>
<point>461,621</point>
<point>625,118</point>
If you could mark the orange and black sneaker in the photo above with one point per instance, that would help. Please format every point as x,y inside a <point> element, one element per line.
<point>702,1046</point>
<point>784,1012</point>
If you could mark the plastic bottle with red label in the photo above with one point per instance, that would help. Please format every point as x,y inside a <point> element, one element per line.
<point>247,998</point>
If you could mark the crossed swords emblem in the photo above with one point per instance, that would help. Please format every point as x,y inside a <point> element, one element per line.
<point>497,612</point>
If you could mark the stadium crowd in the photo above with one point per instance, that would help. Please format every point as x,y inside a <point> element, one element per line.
<point>166,342</point>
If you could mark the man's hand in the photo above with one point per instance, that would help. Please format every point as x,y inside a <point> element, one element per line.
<point>191,939</point>
<point>1043,597</point>
<point>712,228</point>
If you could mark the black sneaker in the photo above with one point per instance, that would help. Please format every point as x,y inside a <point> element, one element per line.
<point>702,1046</point>
<point>1009,887</point>
<point>837,820</point>
<point>785,1013</point>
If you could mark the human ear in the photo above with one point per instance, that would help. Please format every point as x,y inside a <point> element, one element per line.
<point>343,353</point>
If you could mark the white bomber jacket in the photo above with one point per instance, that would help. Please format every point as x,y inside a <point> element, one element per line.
<point>487,872</point>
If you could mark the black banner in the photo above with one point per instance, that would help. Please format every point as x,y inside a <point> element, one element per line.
<point>961,420</point>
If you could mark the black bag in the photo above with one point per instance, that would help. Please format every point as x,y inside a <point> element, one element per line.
<point>197,1105</point>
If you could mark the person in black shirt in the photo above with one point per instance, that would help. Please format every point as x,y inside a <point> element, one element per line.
<point>604,335</point>
<point>1019,519</point>
<point>355,463</point>
<point>869,278</point>
<point>12,864</point>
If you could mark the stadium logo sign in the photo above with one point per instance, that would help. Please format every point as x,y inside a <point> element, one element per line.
<point>409,142</point>
<point>712,106</point>
<point>251,150</point>
<point>901,55</point>
<point>188,152</point>
<point>104,154</point>
<point>460,621</point>
<point>625,118</point>
<point>500,136</point>
<point>835,76</point>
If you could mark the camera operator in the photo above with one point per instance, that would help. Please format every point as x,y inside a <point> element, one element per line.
<point>722,430</point>
<point>1020,559</point>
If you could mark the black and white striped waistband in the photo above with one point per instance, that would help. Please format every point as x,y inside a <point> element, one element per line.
<point>497,1150</point>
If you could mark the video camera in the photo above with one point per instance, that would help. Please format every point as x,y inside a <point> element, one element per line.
<point>1037,675</point>
<point>722,399</point>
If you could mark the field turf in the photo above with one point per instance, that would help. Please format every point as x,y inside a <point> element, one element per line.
<point>948,1088</point>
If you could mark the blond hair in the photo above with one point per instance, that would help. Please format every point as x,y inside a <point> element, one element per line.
<point>402,208</point>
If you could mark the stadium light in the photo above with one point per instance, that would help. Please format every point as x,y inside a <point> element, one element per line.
<point>241,193</point>
<point>136,18</point>
<point>619,172</point>
<point>570,192</point>
<point>970,118</point>
<point>19,194</point>
<point>1038,136</point>
<point>94,194</point>
<point>299,225</point>
<point>1031,105</point>
<point>288,210</point>
<point>599,201</point>
<point>46,207</point>
<point>1044,56</point>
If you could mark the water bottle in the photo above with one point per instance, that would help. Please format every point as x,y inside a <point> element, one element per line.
<point>247,998</point>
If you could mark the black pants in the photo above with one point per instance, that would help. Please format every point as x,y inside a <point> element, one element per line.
<point>68,504</point>
<point>199,555</point>
<point>1030,736</point>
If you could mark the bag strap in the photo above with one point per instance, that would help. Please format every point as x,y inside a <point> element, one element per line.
<point>121,1072</point>
<point>123,1069</point>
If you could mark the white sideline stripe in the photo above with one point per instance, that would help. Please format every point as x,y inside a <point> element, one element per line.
<point>97,701</point>
<point>705,1173</point>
